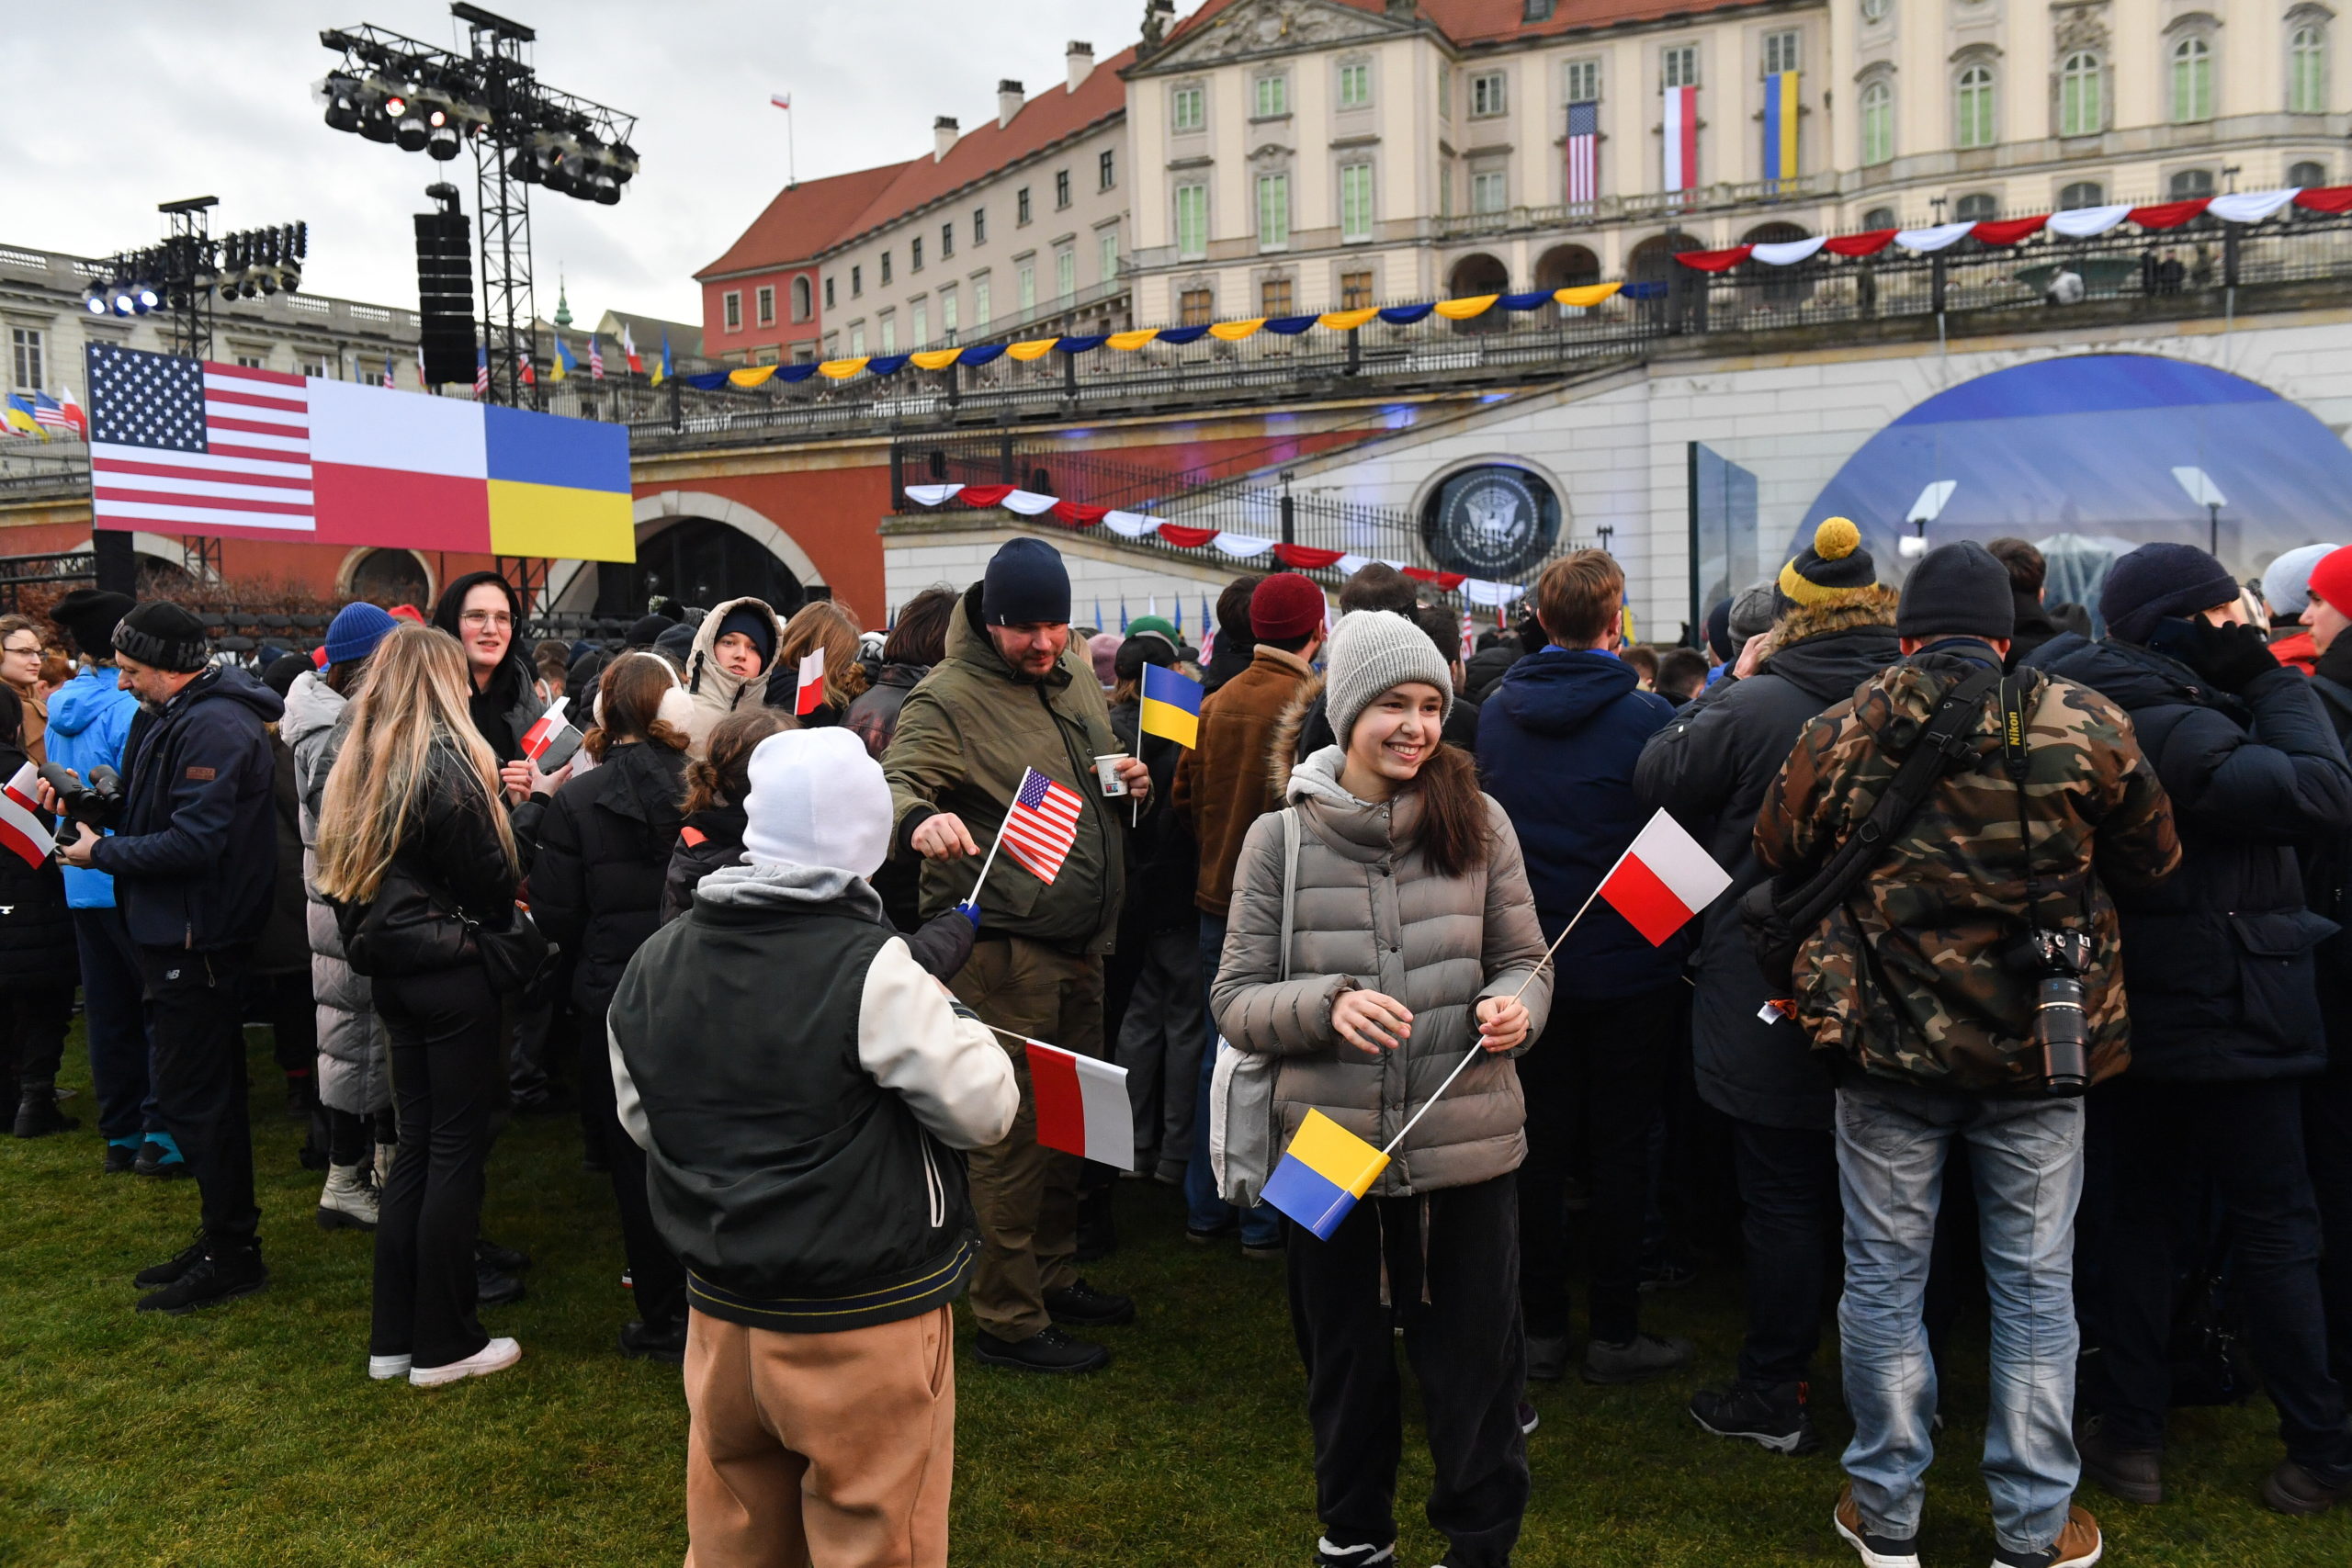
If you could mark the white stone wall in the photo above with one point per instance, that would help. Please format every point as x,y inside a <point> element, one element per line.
<point>1098,572</point>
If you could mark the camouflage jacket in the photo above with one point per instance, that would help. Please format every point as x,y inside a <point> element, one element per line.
<point>1918,976</point>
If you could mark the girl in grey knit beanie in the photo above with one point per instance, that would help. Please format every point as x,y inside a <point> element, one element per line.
<point>1371,650</point>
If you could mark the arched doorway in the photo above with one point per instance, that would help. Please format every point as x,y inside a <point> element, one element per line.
<point>1775,287</point>
<point>1674,293</point>
<point>1474,274</point>
<point>1565,266</point>
<point>698,562</point>
<point>388,578</point>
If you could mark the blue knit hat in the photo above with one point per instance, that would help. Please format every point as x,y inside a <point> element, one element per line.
<point>356,630</point>
<point>1026,582</point>
<point>2157,580</point>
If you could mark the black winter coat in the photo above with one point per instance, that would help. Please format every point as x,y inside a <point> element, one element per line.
<point>710,839</point>
<point>284,945</point>
<point>37,950</point>
<point>1163,861</point>
<point>875,713</point>
<point>1710,767</point>
<point>509,704</point>
<point>605,844</point>
<point>448,855</point>
<point>194,856</point>
<point>2218,960</point>
<point>2327,863</point>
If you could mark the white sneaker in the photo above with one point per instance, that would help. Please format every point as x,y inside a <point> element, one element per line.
<point>382,1368</point>
<point>494,1357</point>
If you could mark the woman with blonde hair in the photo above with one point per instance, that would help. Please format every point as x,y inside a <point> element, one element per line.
<point>602,851</point>
<point>826,623</point>
<point>415,854</point>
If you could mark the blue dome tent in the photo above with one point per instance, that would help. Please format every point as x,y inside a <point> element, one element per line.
<point>2093,454</point>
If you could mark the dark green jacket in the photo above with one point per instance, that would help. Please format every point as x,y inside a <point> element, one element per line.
<point>965,736</point>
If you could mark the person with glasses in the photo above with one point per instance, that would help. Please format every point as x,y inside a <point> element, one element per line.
<point>483,610</point>
<point>20,656</point>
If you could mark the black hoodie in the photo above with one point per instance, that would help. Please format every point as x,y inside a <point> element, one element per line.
<point>194,854</point>
<point>509,704</point>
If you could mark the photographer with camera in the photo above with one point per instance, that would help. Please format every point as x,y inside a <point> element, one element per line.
<point>1965,986</point>
<point>194,858</point>
<point>2226,1023</point>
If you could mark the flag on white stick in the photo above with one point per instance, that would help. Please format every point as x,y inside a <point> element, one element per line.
<point>551,739</point>
<point>1663,879</point>
<point>811,693</point>
<point>1082,1105</point>
<point>21,826</point>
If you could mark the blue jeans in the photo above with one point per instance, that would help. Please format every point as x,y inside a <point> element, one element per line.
<point>1203,1210</point>
<point>114,1017</point>
<point>2026,1159</point>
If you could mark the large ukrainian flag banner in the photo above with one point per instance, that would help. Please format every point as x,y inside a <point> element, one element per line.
<point>1781,126</point>
<point>558,487</point>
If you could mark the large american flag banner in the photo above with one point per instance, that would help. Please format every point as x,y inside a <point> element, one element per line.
<point>1584,152</point>
<point>1042,825</point>
<point>176,441</point>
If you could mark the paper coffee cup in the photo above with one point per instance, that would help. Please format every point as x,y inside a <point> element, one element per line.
<point>1106,769</point>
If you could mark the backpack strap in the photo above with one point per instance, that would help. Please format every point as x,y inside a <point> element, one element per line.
<point>1290,878</point>
<point>1940,745</point>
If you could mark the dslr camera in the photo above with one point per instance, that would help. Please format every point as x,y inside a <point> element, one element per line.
<point>2061,1028</point>
<point>98,803</point>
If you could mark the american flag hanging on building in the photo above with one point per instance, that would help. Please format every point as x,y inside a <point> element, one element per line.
<point>1042,825</point>
<point>172,441</point>
<point>1584,152</point>
<point>481,372</point>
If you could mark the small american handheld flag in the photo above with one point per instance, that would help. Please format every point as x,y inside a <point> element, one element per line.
<point>1042,825</point>
<point>1584,152</point>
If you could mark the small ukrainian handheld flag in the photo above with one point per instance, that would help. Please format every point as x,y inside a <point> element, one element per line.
<point>1172,706</point>
<point>1322,1174</point>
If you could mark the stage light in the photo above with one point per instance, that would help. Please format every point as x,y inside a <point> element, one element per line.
<point>290,276</point>
<point>622,159</point>
<point>412,134</point>
<point>146,297</point>
<point>441,144</point>
<point>340,93</point>
<point>96,304</point>
<point>396,106</point>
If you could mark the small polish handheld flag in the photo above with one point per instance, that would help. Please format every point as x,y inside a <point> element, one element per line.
<point>21,826</point>
<point>1663,879</point>
<point>810,694</point>
<point>551,739</point>
<point>1042,825</point>
<point>1082,1106</point>
<point>1320,1176</point>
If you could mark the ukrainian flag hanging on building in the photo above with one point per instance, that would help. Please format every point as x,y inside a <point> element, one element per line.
<point>1781,126</point>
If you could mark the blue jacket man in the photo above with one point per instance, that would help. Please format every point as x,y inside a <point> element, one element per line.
<point>1558,740</point>
<point>89,720</point>
<point>194,856</point>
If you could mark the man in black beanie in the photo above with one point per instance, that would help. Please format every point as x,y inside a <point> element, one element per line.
<point>1922,988</point>
<point>2225,1020</point>
<point>194,858</point>
<point>1010,696</point>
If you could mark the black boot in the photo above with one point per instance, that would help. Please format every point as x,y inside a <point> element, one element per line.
<point>222,1272</point>
<point>642,1341</point>
<point>37,1113</point>
<point>1771,1414</point>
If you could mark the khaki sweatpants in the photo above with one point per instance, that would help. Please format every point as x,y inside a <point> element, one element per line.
<point>820,1450</point>
<point>1025,1196</point>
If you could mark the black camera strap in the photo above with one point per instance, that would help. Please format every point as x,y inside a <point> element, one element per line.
<point>2018,758</point>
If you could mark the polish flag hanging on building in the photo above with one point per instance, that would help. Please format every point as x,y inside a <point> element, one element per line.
<point>551,739</point>
<point>810,695</point>
<point>1082,1106</point>
<point>1682,127</point>
<point>628,351</point>
<point>20,830</point>
<point>1663,879</point>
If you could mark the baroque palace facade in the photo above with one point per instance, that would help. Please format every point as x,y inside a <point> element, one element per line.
<point>1272,157</point>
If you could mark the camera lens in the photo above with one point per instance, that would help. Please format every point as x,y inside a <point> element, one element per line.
<point>2063,1031</point>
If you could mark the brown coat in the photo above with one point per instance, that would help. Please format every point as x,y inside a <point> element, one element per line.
<point>1225,783</point>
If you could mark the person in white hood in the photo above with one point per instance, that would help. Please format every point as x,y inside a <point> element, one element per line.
<point>803,1091</point>
<point>728,670</point>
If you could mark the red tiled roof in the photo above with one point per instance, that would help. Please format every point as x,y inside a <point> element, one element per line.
<point>1500,21</point>
<point>804,220</point>
<point>1044,118</point>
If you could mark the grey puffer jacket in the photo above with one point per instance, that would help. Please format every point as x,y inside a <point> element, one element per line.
<point>354,1056</point>
<point>1371,915</point>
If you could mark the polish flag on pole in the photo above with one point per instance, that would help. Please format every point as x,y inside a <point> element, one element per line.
<point>1082,1105</point>
<point>628,351</point>
<point>21,828</point>
<point>551,739</point>
<point>811,696</point>
<point>1663,879</point>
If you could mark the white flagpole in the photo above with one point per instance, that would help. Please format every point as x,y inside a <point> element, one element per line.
<point>1478,1050</point>
<point>974,901</point>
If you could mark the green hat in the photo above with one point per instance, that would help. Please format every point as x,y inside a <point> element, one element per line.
<point>1153,625</point>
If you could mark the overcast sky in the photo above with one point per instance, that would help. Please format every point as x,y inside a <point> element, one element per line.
<point>113,109</point>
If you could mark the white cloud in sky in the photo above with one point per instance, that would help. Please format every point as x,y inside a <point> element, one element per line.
<point>113,110</point>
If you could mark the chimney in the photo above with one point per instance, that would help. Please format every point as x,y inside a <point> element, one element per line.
<point>1008,102</point>
<point>1080,57</point>
<point>942,137</point>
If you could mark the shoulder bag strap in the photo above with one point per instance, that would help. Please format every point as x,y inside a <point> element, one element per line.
<point>1290,878</point>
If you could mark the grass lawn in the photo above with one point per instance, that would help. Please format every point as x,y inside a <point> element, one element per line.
<point>250,1434</point>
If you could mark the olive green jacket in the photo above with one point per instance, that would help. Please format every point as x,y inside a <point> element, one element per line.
<point>965,736</point>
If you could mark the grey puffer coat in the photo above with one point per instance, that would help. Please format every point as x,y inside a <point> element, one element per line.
<point>1371,915</point>
<point>354,1056</point>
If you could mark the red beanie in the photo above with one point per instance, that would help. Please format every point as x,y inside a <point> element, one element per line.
<point>1283,606</point>
<point>2331,581</point>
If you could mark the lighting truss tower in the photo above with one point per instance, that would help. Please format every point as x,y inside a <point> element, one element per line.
<point>190,247</point>
<point>424,99</point>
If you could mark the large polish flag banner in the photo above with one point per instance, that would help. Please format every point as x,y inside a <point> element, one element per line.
<point>183,446</point>
<point>1680,125</point>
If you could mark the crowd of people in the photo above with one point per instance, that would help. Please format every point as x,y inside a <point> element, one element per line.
<point>2028,984</point>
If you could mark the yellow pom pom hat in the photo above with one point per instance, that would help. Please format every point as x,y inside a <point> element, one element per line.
<point>1835,566</point>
